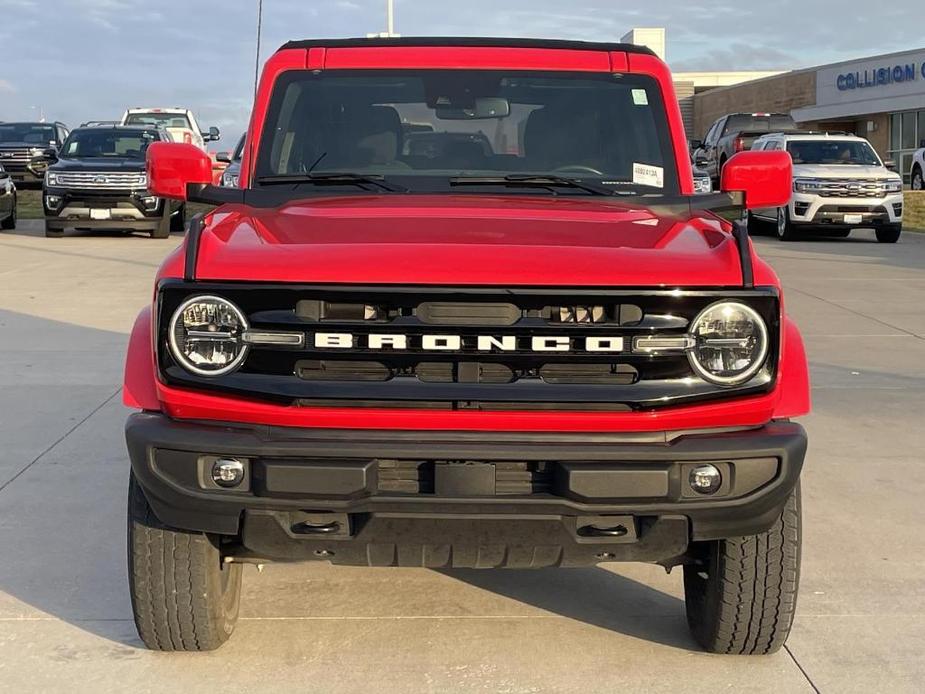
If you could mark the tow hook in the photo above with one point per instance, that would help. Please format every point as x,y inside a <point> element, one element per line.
<point>598,531</point>
<point>307,528</point>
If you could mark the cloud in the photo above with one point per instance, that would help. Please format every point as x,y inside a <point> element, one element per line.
<point>7,87</point>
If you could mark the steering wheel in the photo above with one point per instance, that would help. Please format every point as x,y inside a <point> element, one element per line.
<point>578,168</point>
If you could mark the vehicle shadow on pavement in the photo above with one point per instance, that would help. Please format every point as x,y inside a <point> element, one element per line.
<point>63,476</point>
<point>596,596</point>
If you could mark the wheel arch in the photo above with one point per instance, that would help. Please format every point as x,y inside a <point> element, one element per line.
<point>793,375</point>
<point>139,389</point>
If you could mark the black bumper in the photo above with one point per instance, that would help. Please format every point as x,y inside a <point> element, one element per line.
<point>468,499</point>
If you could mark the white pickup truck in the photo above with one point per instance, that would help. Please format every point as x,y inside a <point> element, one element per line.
<point>180,123</point>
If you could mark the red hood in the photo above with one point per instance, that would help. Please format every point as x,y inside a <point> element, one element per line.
<point>459,240</point>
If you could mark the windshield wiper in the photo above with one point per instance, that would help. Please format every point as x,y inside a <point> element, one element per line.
<point>536,180</point>
<point>334,178</point>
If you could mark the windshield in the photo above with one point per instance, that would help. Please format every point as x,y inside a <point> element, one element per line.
<point>431,128</point>
<point>33,133</point>
<point>239,150</point>
<point>108,143</point>
<point>163,120</point>
<point>832,152</point>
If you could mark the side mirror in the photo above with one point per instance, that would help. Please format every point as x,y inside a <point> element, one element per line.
<point>890,165</point>
<point>695,145</point>
<point>51,154</point>
<point>765,179</point>
<point>214,135</point>
<point>224,157</point>
<point>174,166</point>
<point>701,162</point>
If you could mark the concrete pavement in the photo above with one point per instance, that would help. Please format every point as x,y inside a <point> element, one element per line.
<point>65,309</point>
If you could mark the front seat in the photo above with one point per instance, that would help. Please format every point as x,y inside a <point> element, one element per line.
<point>368,136</point>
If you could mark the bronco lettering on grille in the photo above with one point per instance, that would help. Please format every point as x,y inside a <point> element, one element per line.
<point>469,343</point>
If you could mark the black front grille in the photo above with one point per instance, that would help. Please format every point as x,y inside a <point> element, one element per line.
<point>468,348</point>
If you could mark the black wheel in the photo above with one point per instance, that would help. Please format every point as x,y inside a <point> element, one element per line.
<point>741,594</point>
<point>785,230</point>
<point>756,227</point>
<point>178,219</point>
<point>10,222</point>
<point>889,233</point>
<point>53,233</point>
<point>162,231</point>
<point>917,182</point>
<point>184,598</point>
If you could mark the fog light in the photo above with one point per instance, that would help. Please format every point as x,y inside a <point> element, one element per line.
<point>150,203</point>
<point>227,472</point>
<point>705,479</point>
<point>52,201</point>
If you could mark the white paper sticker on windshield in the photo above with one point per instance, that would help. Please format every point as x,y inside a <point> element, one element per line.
<point>647,175</point>
<point>640,97</point>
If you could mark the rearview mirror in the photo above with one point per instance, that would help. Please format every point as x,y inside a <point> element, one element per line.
<point>483,108</point>
<point>765,179</point>
<point>174,166</point>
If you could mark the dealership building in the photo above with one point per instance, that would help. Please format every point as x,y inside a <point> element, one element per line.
<point>881,98</point>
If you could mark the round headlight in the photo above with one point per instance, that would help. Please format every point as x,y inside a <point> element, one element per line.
<point>730,343</point>
<point>206,336</point>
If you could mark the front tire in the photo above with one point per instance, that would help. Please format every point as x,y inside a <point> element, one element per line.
<point>178,218</point>
<point>162,230</point>
<point>741,593</point>
<point>785,229</point>
<point>53,233</point>
<point>9,223</point>
<point>889,233</point>
<point>184,598</point>
<point>917,182</point>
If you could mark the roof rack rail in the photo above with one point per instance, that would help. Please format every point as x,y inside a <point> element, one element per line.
<point>99,123</point>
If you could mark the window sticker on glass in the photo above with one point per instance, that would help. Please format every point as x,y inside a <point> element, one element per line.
<point>647,175</point>
<point>640,98</point>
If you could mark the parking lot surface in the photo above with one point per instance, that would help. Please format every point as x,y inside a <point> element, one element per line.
<point>66,306</point>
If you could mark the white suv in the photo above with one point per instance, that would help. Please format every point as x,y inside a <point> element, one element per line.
<point>918,169</point>
<point>839,184</point>
<point>179,122</point>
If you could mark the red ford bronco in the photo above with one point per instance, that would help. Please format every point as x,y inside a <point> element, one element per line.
<point>464,310</point>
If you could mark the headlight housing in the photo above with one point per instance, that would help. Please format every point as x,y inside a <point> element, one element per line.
<point>206,336</point>
<point>51,178</point>
<point>730,343</point>
<point>893,186</point>
<point>806,185</point>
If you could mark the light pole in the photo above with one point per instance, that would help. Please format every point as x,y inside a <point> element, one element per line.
<point>389,23</point>
<point>257,59</point>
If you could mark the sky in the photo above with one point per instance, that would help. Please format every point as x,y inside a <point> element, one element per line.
<point>78,60</point>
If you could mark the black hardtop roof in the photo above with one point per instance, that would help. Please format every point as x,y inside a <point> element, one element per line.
<point>49,124</point>
<point>118,126</point>
<point>464,41</point>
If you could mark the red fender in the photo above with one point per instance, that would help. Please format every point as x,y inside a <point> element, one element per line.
<point>793,378</point>
<point>139,389</point>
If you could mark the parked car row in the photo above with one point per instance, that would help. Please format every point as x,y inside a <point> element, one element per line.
<point>840,182</point>
<point>94,176</point>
